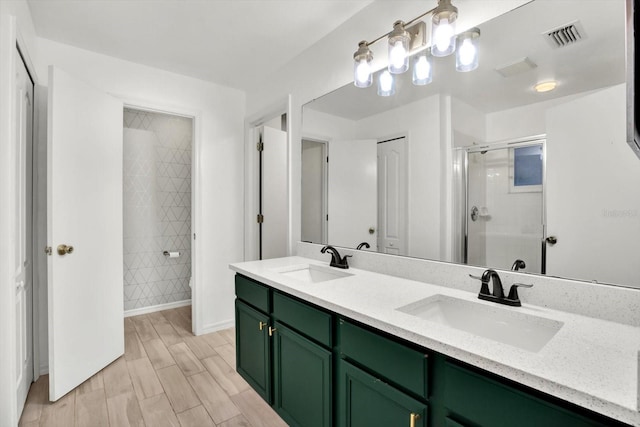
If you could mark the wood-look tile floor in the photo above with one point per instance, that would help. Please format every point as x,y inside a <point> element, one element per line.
<point>167,377</point>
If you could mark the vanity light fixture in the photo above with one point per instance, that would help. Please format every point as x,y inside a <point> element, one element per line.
<point>443,30</point>
<point>362,74</point>
<point>545,86</point>
<point>409,39</point>
<point>398,49</point>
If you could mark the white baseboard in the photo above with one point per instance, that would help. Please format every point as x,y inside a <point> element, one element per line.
<point>154,308</point>
<point>44,369</point>
<point>215,327</point>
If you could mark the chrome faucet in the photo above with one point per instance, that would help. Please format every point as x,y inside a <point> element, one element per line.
<point>497,293</point>
<point>336,260</point>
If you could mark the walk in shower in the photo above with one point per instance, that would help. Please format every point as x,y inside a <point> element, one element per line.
<point>157,209</point>
<point>504,215</point>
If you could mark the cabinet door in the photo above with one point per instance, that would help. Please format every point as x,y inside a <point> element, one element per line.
<point>366,401</point>
<point>302,379</point>
<point>253,354</point>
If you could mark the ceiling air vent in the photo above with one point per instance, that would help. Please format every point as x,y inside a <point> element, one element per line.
<point>566,35</point>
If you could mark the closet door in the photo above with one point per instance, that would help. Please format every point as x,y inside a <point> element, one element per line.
<point>84,215</point>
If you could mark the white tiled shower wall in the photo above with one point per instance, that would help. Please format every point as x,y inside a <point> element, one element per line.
<point>157,208</point>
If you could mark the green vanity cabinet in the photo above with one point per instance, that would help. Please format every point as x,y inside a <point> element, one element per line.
<point>318,370</point>
<point>367,401</point>
<point>253,348</point>
<point>284,351</point>
<point>474,399</point>
<point>302,379</point>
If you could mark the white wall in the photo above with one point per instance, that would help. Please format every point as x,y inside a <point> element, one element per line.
<point>469,124</point>
<point>524,121</point>
<point>420,120</point>
<point>218,149</point>
<point>327,127</point>
<point>587,156</point>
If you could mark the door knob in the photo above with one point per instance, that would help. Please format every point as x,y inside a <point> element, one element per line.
<point>64,249</point>
<point>552,240</point>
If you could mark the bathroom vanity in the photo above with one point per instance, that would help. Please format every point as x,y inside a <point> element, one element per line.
<point>326,347</point>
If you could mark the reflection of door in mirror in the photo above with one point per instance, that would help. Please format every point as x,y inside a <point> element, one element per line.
<point>314,191</point>
<point>505,205</point>
<point>392,196</point>
<point>353,193</point>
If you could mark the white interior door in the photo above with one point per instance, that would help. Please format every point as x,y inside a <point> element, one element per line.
<point>314,192</point>
<point>353,183</point>
<point>23,250</point>
<point>274,193</point>
<point>392,196</point>
<point>84,208</point>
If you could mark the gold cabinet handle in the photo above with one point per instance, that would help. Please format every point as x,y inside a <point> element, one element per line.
<point>64,249</point>
<point>271,331</point>
<point>262,325</point>
<point>413,419</point>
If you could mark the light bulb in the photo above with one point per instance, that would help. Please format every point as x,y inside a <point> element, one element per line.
<point>385,84</point>
<point>467,52</point>
<point>386,81</point>
<point>363,71</point>
<point>443,35</point>
<point>422,68</point>
<point>397,55</point>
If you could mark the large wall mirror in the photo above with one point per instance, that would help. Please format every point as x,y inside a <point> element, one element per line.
<point>479,167</point>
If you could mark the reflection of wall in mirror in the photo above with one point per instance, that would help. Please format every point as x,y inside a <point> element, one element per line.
<point>424,229</point>
<point>591,173</point>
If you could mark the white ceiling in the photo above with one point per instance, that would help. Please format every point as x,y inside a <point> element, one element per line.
<point>229,42</point>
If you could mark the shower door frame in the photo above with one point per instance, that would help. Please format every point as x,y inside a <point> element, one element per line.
<point>196,215</point>
<point>500,145</point>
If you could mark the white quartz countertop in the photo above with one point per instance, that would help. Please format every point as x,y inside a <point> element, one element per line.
<point>590,362</point>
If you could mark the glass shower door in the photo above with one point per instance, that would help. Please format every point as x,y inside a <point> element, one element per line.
<point>505,206</point>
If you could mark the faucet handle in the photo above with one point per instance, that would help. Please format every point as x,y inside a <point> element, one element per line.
<point>475,277</point>
<point>513,291</point>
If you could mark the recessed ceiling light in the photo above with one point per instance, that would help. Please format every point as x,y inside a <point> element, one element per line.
<point>545,86</point>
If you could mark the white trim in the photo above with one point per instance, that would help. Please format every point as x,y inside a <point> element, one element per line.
<point>154,308</point>
<point>196,194</point>
<point>215,327</point>
<point>251,190</point>
<point>8,157</point>
<point>36,261</point>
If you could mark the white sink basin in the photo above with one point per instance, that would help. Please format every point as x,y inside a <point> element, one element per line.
<point>507,326</point>
<point>313,273</point>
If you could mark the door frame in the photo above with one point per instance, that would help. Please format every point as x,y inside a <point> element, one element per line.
<point>11,40</point>
<point>325,141</point>
<point>540,139</point>
<point>252,126</point>
<point>197,322</point>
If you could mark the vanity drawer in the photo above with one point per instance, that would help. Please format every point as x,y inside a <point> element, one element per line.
<point>400,364</point>
<point>308,320</point>
<point>253,293</point>
<point>484,401</point>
